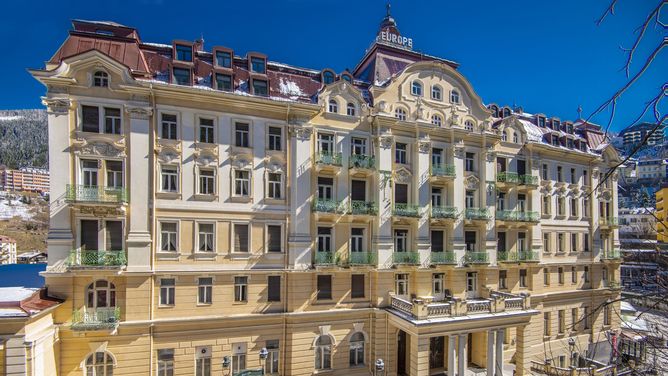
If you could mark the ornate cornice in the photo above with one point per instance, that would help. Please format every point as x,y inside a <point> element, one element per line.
<point>57,106</point>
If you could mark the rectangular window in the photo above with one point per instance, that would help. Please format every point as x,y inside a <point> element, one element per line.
<point>585,317</point>
<point>240,289</point>
<point>574,274</point>
<point>257,65</point>
<point>401,284</point>
<point>545,174</point>
<point>325,188</point>
<point>503,279</point>
<point>574,207</point>
<point>586,274</point>
<point>324,239</point>
<point>585,208</point>
<point>203,361</point>
<point>275,136</point>
<point>357,286</point>
<point>546,324</point>
<point>574,242</point>
<point>437,241</point>
<point>274,241</point>
<point>113,235</point>
<point>546,276</point>
<point>561,243</point>
<point>470,240</point>
<point>205,131</point>
<point>207,181</point>
<point>521,202</point>
<point>574,319</point>
<point>546,243</point>
<point>238,361</point>
<point>523,278</point>
<point>400,193</point>
<point>559,175</point>
<point>241,238</point>
<point>224,59</point>
<point>501,201</point>
<point>400,240</point>
<point>324,287</point>
<point>204,290</point>
<point>112,120</point>
<point>274,288</point>
<point>501,241</point>
<point>585,243</point>
<point>168,237</point>
<point>437,284</point>
<point>573,176</point>
<point>242,135</point>
<point>325,143</point>
<point>167,291</point>
<point>606,315</point>
<point>223,82</point>
<point>166,362</point>
<point>168,127</point>
<point>114,174</point>
<point>400,153</point>
<point>470,162</point>
<point>271,365</point>
<point>260,87</point>
<point>546,205</point>
<point>184,53</point>
<point>358,146</point>
<point>169,177</point>
<point>205,237</point>
<point>561,316</point>
<point>470,199</point>
<point>90,121</point>
<point>242,183</point>
<point>181,76</point>
<point>560,274</point>
<point>274,184</point>
<point>357,239</point>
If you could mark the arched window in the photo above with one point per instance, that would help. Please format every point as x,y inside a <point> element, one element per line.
<point>506,112</point>
<point>416,88</point>
<point>504,136</point>
<point>350,109</point>
<point>436,93</point>
<point>468,125</point>
<point>436,120</point>
<point>323,353</point>
<point>357,349</point>
<point>101,79</point>
<point>333,106</point>
<point>495,111</point>
<point>516,138</point>
<point>347,77</point>
<point>328,77</point>
<point>454,96</point>
<point>400,114</point>
<point>99,364</point>
<point>101,294</point>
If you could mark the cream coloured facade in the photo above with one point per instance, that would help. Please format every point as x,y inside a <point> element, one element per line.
<point>198,231</point>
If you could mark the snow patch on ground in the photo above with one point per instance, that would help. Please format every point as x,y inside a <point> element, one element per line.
<point>14,207</point>
<point>8,118</point>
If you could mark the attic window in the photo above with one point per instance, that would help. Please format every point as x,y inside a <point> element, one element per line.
<point>181,76</point>
<point>328,77</point>
<point>400,114</point>
<point>468,125</point>
<point>569,142</point>
<point>569,128</point>
<point>555,124</point>
<point>257,65</point>
<point>260,87</point>
<point>347,77</point>
<point>555,141</point>
<point>416,89</point>
<point>350,109</point>
<point>224,59</point>
<point>516,138</point>
<point>506,112</point>
<point>333,106</point>
<point>583,146</point>
<point>184,52</point>
<point>101,79</point>
<point>104,32</point>
<point>495,111</point>
<point>504,136</point>
<point>436,120</point>
<point>436,93</point>
<point>541,121</point>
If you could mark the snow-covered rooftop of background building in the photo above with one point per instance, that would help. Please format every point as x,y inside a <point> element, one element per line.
<point>15,294</point>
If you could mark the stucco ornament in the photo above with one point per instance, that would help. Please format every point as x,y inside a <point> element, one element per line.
<point>402,175</point>
<point>274,163</point>
<point>241,161</point>
<point>138,111</point>
<point>57,106</point>
<point>302,133</point>
<point>99,149</point>
<point>386,141</point>
<point>471,182</point>
<point>102,211</point>
<point>605,195</point>
<point>424,145</point>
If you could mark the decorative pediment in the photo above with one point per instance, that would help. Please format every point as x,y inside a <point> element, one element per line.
<point>98,145</point>
<point>168,151</point>
<point>402,175</point>
<point>471,182</point>
<point>205,154</point>
<point>275,163</point>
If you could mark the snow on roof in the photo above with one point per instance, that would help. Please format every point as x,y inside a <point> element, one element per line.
<point>601,146</point>
<point>161,45</point>
<point>282,65</point>
<point>534,133</point>
<point>106,23</point>
<point>15,294</point>
<point>289,88</point>
<point>13,312</point>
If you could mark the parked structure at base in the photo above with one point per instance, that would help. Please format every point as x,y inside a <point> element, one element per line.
<point>225,212</point>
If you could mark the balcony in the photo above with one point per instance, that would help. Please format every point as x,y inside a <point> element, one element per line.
<point>406,210</point>
<point>324,259</point>
<point>517,257</point>
<point>406,258</point>
<point>362,258</point>
<point>609,222</point>
<point>361,163</point>
<point>95,194</point>
<point>476,257</point>
<point>95,259</point>
<point>529,180</point>
<point>96,318</point>
<point>442,171</point>
<point>443,212</point>
<point>325,161</point>
<point>611,254</point>
<point>517,216</point>
<point>506,177</point>
<point>443,258</point>
<point>476,214</point>
<point>327,206</point>
<point>363,208</point>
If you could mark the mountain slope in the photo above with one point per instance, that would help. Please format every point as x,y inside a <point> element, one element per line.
<point>24,138</point>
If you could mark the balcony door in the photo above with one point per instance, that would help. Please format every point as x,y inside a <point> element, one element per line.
<point>358,146</point>
<point>325,188</point>
<point>471,285</point>
<point>89,236</point>
<point>325,143</point>
<point>358,190</point>
<point>113,235</point>
<point>101,294</point>
<point>470,240</point>
<point>436,157</point>
<point>89,173</point>
<point>357,240</point>
<point>500,164</point>
<point>436,198</point>
<point>521,167</point>
<point>400,240</point>
<point>400,193</point>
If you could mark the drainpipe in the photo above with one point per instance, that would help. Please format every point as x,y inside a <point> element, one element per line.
<point>151,225</point>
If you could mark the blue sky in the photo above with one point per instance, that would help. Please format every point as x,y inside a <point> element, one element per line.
<point>545,56</point>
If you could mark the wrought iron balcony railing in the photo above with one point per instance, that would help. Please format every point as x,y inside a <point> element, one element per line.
<point>476,213</point>
<point>443,170</point>
<point>98,194</point>
<point>612,254</point>
<point>327,206</point>
<point>444,212</point>
<point>446,257</point>
<point>476,257</point>
<point>609,221</point>
<point>363,208</point>
<point>507,177</point>
<point>517,216</point>
<point>96,318</point>
<point>82,258</point>
<point>521,256</point>
<point>406,258</point>
<point>362,258</point>
<point>529,180</point>
<point>324,258</point>
<point>331,159</point>
<point>362,161</point>
<point>406,210</point>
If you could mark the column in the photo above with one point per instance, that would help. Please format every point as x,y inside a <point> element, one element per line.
<point>139,184</point>
<point>596,250</point>
<point>451,355</point>
<point>421,181</point>
<point>461,355</point>
<point>490,352</point>
<point>419,355</point>
<point>383,238</point>
<point>300,167</point>
<point>499,352</point>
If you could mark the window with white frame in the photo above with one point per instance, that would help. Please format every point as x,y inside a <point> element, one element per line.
<point>400,114</point>
<point>585,274</point>
<point>400,153</point>
<point>504,136</point>
<point>114,174</point>
<point>112,120</point>
<point>274,238</point>
<point>241,237</point>
<point>501,201</point>
<point>101,79</point>
<point>561,243</point>
<point>206,181</point>
<point>436,93</point>
<point>574,242</point>
<point>169,178</point>
<point>546,204</point>
<point>401,284</point>
<point>324,239</point>
<point>437,283</point>
<point>165,362</point>
<point>323,353</point>
<point>205,131</point>
<point>242,183</point>
<point>357,239</point>
<point>275,135</point>
<point>203,361</point>
<point>546,242</point>
<point>416,88</point>
<point>89,170</point>
<point>523,278</point>
<point>350,109</point>
<point>167,291</point>
<point>100,364</point>
<point>521,202</point>
<point>325,188</point>
<point>356,353</point>
<point>325,143</point>
<point>516,138</point>
<point>544,172</point>
<point>274,185</point>
<point>205,237</point>
<point>242,135</point>
<point>241,289</point>
<point>470,162</point>
<point>470,199</point>
<point>168,127</point>
<point>503,279</point>
<point>436,197</point>
<point>358,146</point>
<point>454,96</point>
<point>204,290</point>
<point>436,120</point>
<point>574,274</point>
<point>400,240</point>
<point>271,363</point>
<point>469,125</point>
<point>238,358</point>
<point>168,237</point>
<point>333,106</point>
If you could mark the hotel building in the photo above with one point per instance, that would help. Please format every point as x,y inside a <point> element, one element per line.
<point>216,213</point>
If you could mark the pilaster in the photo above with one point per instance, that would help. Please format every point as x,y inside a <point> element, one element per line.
<point>301,165</point>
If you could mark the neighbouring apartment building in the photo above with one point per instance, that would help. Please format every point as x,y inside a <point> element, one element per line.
<point>225,213</point>
<point>24,179</point>
<point>7,250</point>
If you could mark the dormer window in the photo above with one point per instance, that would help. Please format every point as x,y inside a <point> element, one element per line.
<point>495,111</point>
<point>436,93</point>
<point>224,59</point>
<point>101,79</point>
<point>436,120</point>
<point>260,87</point>
<point>350,109</point>
<point>555,124</point>
<point>468,125</point>
<point>223,82</point>
<point>454,96</point>
<point>583,146</point>
<point>258,65</point>
<point>516,138</point>
<point>555,141</point>
<point>181,76</point>
<point>328,77</point>
<point>569,128</point>
<point>569,143</point>
<point>416,89</point>
<point>347,77</point>
<point>400,114</point>
<point>333,106</point>
<point>541,121</point>
<point>504,136</point>
<point>184,52</point>
<point>506,112</point>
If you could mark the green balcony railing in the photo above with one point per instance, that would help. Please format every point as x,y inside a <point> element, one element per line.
<point>446,257</point>
<point>444,212</point>
<point>249,372</point>
<point>324,258</point>
<point>96,258</point>
<point>517,216</point>
<point>362,161</point>
<point>96,318</point>
<point>443,170</point>
<point>476,213</point>
<point>406,258</point>
<point>529,180</point>
<point>406,210</point>
<point>521,256</point>
<point>363,208</point>
<point>609,221</point>
<point>476,257</point>
<point>362,258</point>
<point>612,254</point>
<point>327,206</point>
<point>507,177</point>
<point>100,194</point>
<point>331,159</point>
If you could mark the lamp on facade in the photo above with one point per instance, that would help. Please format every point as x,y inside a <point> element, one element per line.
<point>226,365</point>
<point>380,367</point>
<point>263,357</point>
<point>571,346</point>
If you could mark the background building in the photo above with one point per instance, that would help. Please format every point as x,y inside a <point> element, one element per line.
<point>24,179</point>
<point>635,134</point>
<point>7,250</point>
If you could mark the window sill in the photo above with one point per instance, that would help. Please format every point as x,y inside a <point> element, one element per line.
<point>240,303</point>
<point>165,306</point>
<point>205,197</point>
<point>168,255</point>
<point>205,255</point>
<point>240,255</point>
<point>275,201</point>
<point>203,304</point>
<point>168,195</point>
<point>560,253</point>
<point>322,371</point>
<point>274,255</point>
<point>241,199</point>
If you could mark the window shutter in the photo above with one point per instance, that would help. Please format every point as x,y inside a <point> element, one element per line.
<point>358,191</point>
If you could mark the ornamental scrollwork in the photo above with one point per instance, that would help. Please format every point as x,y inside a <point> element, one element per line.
<point>424,146</point>
<point>138,112</point>
<point>385,141</point>
<point>302,133</point>
<point>57,106</point>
